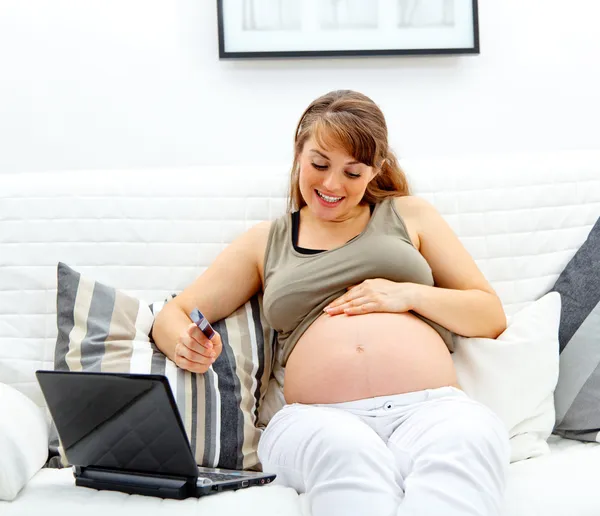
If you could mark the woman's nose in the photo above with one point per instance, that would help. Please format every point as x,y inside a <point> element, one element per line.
<point>331,182</point>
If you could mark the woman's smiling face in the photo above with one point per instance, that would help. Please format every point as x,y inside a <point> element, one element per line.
<point>332,183</point>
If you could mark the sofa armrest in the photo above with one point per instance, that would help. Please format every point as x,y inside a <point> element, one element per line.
<point>23,441</point>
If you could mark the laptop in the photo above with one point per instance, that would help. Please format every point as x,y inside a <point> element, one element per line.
<point>123,432</point>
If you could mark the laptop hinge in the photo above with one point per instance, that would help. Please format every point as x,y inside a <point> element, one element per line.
<point>135,483</point>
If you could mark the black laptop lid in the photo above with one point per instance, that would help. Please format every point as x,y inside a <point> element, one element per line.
<point>118,422</point>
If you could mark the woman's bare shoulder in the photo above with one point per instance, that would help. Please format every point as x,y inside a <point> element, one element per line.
<point>256,237</point>
<point>412,204</point>
<point>260,231</point>
<point>413,210</point>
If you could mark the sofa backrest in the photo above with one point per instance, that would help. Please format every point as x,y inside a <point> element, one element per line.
<point>150,232</point>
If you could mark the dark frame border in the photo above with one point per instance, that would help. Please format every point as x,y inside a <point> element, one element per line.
<point>346,53</point>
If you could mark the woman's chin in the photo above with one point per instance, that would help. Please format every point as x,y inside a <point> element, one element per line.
<point>325,213</point>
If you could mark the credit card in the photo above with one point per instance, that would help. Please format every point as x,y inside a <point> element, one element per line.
<point>202,323</point>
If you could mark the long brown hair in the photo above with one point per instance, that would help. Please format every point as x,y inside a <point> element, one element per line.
<point>352,121</point>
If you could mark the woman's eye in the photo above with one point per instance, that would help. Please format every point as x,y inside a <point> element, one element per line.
<point>351,175</point>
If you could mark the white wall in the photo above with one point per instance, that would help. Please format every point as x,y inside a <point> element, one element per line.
<point>138,83</point>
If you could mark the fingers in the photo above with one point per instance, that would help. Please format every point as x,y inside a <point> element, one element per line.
<point>196,353</point>
<point>186,349</point>
<point>342,300</point>
<point>187,358</point>
<point>192,367</point>
<point>352,306</point>
<point>365,308</point>
<point>198,336</point>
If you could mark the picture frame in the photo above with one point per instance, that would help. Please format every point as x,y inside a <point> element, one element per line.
<point>250,29</point>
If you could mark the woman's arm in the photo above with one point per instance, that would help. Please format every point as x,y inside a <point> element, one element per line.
<point>232,279</point>
<point>471,313</point>
<point>462,300</point>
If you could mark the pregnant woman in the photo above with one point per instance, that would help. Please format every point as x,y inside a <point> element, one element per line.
<point>364,284</point>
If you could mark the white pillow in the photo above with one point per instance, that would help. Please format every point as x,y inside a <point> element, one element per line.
<point>515,375</point>
<point>23,441</point>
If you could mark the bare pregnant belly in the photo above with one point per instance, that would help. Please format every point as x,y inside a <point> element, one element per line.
<point>344,358</point>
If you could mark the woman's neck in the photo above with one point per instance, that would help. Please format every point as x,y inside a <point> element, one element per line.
<point>358,216</point>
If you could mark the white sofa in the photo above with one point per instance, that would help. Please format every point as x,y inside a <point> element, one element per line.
<point>150,232</point>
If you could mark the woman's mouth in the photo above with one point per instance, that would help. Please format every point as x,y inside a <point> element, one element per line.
<point>327,200</point>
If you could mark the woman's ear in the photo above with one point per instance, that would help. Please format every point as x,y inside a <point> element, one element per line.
<point>376,171</point>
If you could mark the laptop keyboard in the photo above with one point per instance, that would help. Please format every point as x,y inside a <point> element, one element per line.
<point>216,477</point>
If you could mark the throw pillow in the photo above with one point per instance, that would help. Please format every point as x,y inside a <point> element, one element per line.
<point>515,375</point>
<point>101,328</point>
<point>577,396</point>
<point>23,441</point>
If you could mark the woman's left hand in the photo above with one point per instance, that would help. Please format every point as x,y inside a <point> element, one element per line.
<point>374,295</point>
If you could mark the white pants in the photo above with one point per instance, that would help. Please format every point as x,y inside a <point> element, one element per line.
<point>435,452</point>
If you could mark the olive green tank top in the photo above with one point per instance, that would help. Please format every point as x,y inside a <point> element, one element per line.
<point>298,286</point>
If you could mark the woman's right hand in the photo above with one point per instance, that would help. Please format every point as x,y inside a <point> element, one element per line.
<point>194,352</point>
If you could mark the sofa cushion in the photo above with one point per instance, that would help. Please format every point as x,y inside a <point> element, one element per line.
<point>563,482</point>
<point>23,441</point>
<point>577,397</point>
<point>101,328</point>
<point>515,375</point>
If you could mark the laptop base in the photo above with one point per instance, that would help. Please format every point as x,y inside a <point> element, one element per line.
<point>177,488</point>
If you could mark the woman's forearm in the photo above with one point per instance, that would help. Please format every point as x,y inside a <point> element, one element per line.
<point>170,323</point>
<point>471,313</point>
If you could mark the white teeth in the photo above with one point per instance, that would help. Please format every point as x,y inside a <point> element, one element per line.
<point>327,198</point>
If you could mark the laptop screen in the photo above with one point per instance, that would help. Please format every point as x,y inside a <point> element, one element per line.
<point>118,421</point>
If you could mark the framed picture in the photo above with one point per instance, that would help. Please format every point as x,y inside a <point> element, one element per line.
<point>330,28</point>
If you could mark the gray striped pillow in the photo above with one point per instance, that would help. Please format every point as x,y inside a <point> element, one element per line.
<point>577,394</point>
<point>102,329</point>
